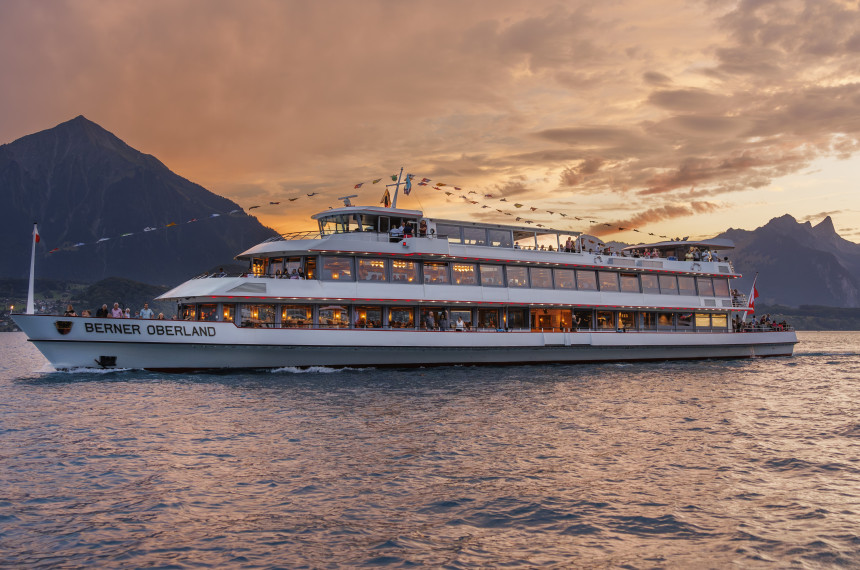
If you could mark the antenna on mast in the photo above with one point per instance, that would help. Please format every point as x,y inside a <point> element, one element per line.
<point>346,201</point>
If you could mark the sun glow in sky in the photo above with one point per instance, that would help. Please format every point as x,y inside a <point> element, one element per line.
<point>674,117</point>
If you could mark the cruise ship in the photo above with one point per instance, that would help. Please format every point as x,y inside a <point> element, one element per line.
<point>382,286</point>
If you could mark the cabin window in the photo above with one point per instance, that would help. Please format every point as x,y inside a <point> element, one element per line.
<point>703,321</point>
<point>292,265</point>
<point>228,312</point>
<point>310,268</point>
<point>650,284</point>
<point>518,276</point>
<point>585,318</point>
<point>465,314</point>
<point>686,285</point>
<point>649,321</point>
<point>464,273</point>
<point>368,317</point>
<point>608,280</point>
<point>334,316</point>
<point>586,280</point>
<point>541,277</point>
<point>188,312</point>
<point>296,316</point>
<point>685,320</point>
<point>492,275</point>
<point>564,279</point>
<point>436,272</point>
<point>257,316</point>
<point>488,319</point>
<point>404,271</point>
<point>500,238</point>
<point>517,318</point>
<point>451,232</point>
<point>208,312</point>
<point>629,282</point>
<point>668,285</point>
<point>627,320</point>
<point>706,287</point>
<point>475,236</point>
<point>401,317</point>
<point>337,268</point>
<point>258,266</point>
<point>276,266</point>
<point>665,321</point>
<point>721,287</point>
<point>606,320</point>
<point>720,321</point>
<point>384,224</point>
<point>371,269</point>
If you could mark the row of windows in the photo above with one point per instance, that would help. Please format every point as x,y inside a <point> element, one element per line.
<point>342,268</point>
<point>436,318</point>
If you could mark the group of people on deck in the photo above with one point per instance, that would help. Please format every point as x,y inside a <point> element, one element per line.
<point>115,313</point>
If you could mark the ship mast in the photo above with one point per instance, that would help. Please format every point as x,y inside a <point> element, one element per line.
<point>396,188</point>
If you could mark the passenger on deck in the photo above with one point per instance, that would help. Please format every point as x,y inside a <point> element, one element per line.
<point>568,245</point>
<point>146,312</point>
<point>116,312</point>
<point>102,313</point>
<point>422,228</point>
<point>443,320</point>
<point>127,313</point>
<point>70,312</point>
<point>460,325</point>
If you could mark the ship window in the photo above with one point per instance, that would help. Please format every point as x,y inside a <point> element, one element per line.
<point>464,273</point>
<point>703,321</point>
<point>686,285</point>
<point>371,269</point>
<point>257,316</point>
<point>474,236</point>
<point>665,321</point>
<point>500,238</point>
<point>258,266</point>
<point>720,321</point>
<point>606,320</point>
<point>228,311</point>
<point>291,265</point>
<point>488,319</point>
<point>436,272</point>
<point>608,280</point>
<point>721,287</point>
<point>629,282</point>
<point>336,316</point>
<point>626,320</point>
<point>517,318</point>
<point>337,268</point>
<point>685,320</point>
<point>401,317</point>
<point>517,276</point>
<point>188,312</point>
<point>649,321</point>
<point>541,277</point>
<point>668,285</point>
<point>564,279</point>
<point>706,287</point>
<point>311,267</point>
<point>367,317</point>
<point>276,266</point>
<point>449,231</point>
<point>586,280</point>
<point>650,284</point>
<point>492,276</point>
<point>404,271</point>
<point>295,316</point>
<point>465,314</point>
<point>384,224</point>
<point>585,317</point>
<point>208,312</point>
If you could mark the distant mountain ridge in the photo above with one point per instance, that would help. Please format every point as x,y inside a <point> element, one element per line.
<point>798,263</point>
<point>81,183</point>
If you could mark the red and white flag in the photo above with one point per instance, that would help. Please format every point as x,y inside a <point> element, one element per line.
<point>36,233</point>
<point>752,298</point>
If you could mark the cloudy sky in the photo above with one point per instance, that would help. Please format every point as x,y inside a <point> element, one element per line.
<point>672,116</point>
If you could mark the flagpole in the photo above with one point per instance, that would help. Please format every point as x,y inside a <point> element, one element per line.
<point>396,188</point>
<point>750,299</point>
<point>32,271</point>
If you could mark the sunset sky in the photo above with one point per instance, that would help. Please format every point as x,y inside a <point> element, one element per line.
<point>675,117</point>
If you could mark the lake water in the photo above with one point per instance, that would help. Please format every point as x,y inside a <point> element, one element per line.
<point>752,463</point>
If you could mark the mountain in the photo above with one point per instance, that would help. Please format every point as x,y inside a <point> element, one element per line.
<point>798,263</point>
<point>81,184</point>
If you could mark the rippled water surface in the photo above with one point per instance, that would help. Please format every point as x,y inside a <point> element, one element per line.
<point>696,464</point>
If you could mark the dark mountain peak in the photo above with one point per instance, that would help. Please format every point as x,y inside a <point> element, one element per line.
<point>784,222</point>
<point>825,227</point>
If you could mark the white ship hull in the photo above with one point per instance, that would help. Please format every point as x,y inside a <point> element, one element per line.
<point>181,345</point>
